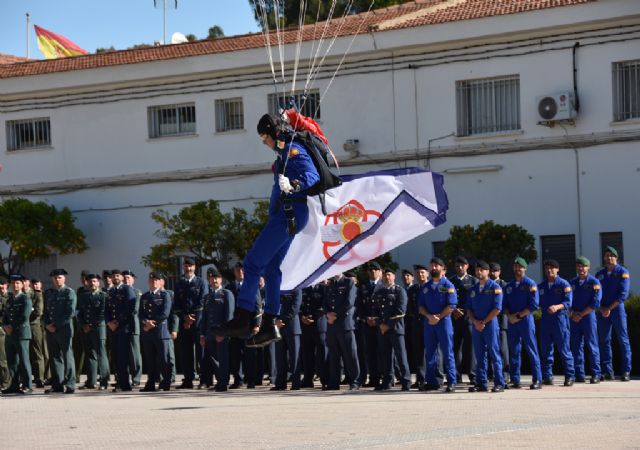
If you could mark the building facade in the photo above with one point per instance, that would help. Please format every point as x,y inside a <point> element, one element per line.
<point>485,96</point>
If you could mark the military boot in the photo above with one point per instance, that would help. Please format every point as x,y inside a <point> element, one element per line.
<point>238,327</point>
<point>267,334</point>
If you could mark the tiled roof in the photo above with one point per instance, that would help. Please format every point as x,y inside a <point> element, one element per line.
<point>411,14</point>
<point>10,59</point>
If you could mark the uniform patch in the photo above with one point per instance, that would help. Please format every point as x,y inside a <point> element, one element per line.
<point>567,289</point>
<point>541,291</point>
<point>533,288</point>
<point>472,294</point>
<point>293,152</point>
<point>600,277</point>
<point>625,275</point>
<point>451,291</point>
<point>498,291</point>
<point>596,287</point>
<point>509,289</point>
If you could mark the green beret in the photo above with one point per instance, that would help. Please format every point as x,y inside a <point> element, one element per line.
<point>611,250</point>
<point>584,261</point>
<point>521,262</point>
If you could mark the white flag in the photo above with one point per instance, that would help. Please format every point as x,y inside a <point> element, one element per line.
<point>367,216</point>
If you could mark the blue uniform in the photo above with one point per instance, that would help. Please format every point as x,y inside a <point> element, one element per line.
<point>218,309</point>
<point>615,286</point>
<point>434,297</point>
<point>241,359</point>
<point>288,348</point>
<point>586,294</point>
<point>121,305</point>
<point>340,299</point>
<point>189,298</point>
<point>391,302</point>
<point>482,301</point>
<point>156,306</point>
<point>519,296</point>
<point>368,340</point>
<point>314,335</point>
<point>272,244</point>
<point>554,328</point>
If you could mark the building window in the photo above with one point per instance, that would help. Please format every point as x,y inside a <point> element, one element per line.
<point>613,239</point>
<point>28,133</point>
<point>488,105</point>
<point>626,90</point>
<point>562,248</point>
<point>229,115</point>
<point>172,120</point>
<point>437,248</point>
<point>309,107</point>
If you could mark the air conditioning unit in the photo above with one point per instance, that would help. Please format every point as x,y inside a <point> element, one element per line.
<point>556,107</point>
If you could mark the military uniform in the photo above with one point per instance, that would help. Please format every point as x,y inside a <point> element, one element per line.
<point>135,354</point>
<point>340,299</point>
<point>462,342</point>
<point>554,328</point>
<point>518,296</point>
<point>173,324</point>
<point>391,305</point>
<point>586,294</point>
<point>37,345</point>
<point>365,308</point>
<point>16,315</point>
<point>156,306</point>
<point>60,308</point>
<point>5,376</point>
<point>414,335</point>
<point>503,340</point>
<point>218,308</point>
<point>93,333</point>
<point>314,335</point>
<point>189,297</point>
<point>482,301</point>
<point>120,308</point>
<point>288,348</point>
<point>615,287</point>
<point>240,368</point>
<point>434,298</point>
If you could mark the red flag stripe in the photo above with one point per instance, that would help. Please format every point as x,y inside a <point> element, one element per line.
<point>60,39</point>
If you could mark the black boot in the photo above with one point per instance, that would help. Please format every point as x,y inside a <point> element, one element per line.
<point>267,334</point>
<point>238,327</point>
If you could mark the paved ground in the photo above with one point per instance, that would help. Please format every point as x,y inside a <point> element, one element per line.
<point>584,416</point>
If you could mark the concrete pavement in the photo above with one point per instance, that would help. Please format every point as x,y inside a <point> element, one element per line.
<point>583,416</point>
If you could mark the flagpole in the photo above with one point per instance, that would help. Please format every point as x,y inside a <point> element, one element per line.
<point>28,49</point>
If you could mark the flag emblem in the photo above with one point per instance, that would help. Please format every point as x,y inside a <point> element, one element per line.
<point>344,225</point>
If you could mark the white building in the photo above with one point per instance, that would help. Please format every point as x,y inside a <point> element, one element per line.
<point>456,85</point>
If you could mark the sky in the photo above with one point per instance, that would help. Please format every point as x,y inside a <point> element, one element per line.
<point>91,24</point>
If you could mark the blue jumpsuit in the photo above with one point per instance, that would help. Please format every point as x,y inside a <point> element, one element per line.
<point>482,302</point>
<point>615,286</point>
<point>272,244</point>
<point>585,294</point>
<point>554,328</point>
<point>519,296</point>
<point>434,298</point>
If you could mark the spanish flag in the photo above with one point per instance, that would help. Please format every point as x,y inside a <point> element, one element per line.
<point>55,46</point>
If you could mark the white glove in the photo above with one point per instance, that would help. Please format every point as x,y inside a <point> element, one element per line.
<point>285,185</point>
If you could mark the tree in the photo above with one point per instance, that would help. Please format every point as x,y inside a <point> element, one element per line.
<point>290,11</point>
<point>204,232</point>
<point>191,37</point>
<point>215,32</point>
<point>490,242</point>
<point>105,49</point>
<point>35,230</point>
